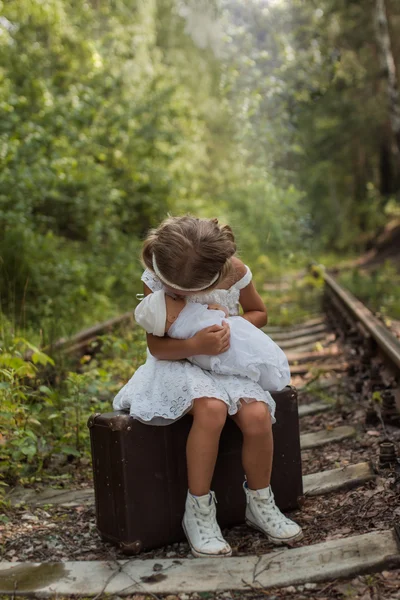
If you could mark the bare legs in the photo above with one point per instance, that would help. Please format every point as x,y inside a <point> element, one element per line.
<point>254,420</point>
<point>209,416</point>
<point>201,527</point>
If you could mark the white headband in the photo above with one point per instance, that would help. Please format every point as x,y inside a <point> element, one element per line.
<point>178,287</point>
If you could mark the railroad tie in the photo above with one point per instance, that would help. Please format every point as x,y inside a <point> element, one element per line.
<point>313,408</point>
<point>326,436</point>
<point>325,561</point>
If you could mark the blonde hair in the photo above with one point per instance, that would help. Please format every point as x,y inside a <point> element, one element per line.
<point>190,252</point>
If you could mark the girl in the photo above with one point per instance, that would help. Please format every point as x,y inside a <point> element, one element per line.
<point>194,258</point>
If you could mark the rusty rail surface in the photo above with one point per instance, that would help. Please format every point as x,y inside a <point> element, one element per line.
<point>344,299</point>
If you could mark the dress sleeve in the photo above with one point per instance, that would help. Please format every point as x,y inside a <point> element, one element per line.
<point>151,280</point>
<point>247,277</point>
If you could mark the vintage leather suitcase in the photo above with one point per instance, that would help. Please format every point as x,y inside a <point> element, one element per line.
<point>141,483</point>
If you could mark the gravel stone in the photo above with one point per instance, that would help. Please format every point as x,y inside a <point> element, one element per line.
<point>310,586</point>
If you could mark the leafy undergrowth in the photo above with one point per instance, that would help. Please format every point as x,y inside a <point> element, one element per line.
<point>379,289</point>
<point>45,403</point>
<point>295,302</point>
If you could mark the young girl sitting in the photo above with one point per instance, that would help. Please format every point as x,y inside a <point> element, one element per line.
<point>194,258</point>
<point>252,353</point>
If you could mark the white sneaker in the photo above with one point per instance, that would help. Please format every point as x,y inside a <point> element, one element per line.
<point>201,527</point>
<point>263,514</point>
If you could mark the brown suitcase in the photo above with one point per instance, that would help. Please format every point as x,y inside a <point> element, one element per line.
<point>140,475</point>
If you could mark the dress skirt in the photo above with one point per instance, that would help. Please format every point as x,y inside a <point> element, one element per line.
<point>162,391</point>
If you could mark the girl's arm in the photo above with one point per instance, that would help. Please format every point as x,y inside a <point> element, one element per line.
<point>250,300</point>
<point>165,348</point>
<point>212,340</point>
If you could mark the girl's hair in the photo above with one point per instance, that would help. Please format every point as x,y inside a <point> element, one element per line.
<point>190,252</point>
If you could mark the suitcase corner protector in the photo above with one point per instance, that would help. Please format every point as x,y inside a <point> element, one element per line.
<point>92,419</point>
<point>131,549</point>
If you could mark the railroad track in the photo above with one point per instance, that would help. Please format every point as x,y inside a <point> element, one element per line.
<point>346,367</point>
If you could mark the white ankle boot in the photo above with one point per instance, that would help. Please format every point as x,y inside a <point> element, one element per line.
<point>201,527</point>
<point>263,514</point>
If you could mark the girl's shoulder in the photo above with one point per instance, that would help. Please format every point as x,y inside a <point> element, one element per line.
<point>242,275</point>
<point>239,268</point>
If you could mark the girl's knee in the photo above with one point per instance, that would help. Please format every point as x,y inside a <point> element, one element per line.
<point>210,413</point>
<point>256,420</point>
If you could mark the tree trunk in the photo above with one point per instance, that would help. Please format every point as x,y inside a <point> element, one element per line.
<point>387,184</point>
<point>388,65</point>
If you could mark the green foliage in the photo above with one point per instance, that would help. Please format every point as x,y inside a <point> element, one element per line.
<point>113,116</point>
<point>295,304</point>
<point>311,98</point>
<point>100,137</point>
<point>379,289</point>
<point>20,441</point>
<point>38,420</point>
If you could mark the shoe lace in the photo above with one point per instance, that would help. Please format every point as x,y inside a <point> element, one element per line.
<point>268,508</point>
<point>207,523</point>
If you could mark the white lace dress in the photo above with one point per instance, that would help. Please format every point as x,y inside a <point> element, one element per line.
<point>162,391</point>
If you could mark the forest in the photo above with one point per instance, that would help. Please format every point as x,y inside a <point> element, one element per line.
<point>279,117</point>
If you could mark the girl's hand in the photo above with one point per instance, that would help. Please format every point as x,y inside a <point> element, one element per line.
<point>219,307</point>
<point>212,340</point>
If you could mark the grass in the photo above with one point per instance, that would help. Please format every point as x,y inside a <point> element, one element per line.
<point>379,289</point>
<point>295,303</point>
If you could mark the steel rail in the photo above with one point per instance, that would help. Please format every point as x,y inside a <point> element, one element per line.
<point>389,344</point>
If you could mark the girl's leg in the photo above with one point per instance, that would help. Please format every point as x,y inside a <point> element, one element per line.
<point>209,416</point>
<point>200,521</point>
<point>254,420</point>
